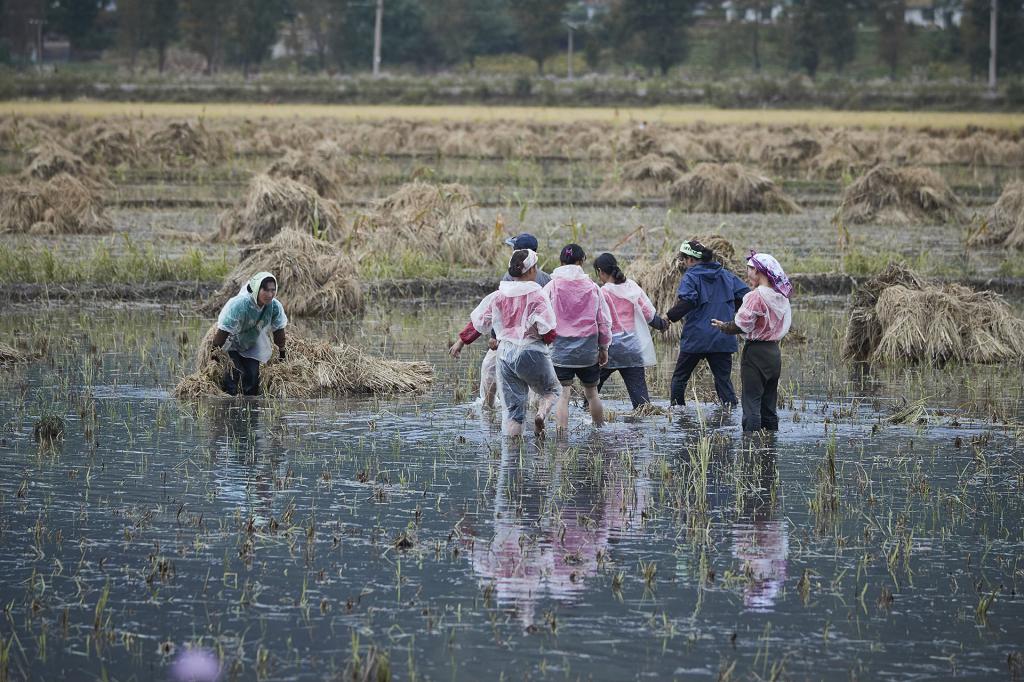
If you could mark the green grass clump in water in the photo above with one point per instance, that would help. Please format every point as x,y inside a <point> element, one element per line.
<point>43,265</point>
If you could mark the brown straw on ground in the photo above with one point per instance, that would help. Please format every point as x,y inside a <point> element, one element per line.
<point>729,188</point>
<point>61,205</point>
<point>900,196</point>
<point>1004,222</point>
<point>276,204</point>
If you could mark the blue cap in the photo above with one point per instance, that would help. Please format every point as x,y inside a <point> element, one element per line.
<point>523,241</point>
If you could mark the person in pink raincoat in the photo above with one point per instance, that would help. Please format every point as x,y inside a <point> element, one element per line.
<point>583,332</point>
<point>524,324</point>
<point>763,319</point>
<point>632,348</point>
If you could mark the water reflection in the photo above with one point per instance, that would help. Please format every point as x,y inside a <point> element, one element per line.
<point>554,516</point>
<point>246,455</point>
<point>759,540</point>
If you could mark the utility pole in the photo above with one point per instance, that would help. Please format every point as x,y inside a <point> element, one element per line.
<point>377,27</point>
<point>992,32</point>
<point>570,50</point>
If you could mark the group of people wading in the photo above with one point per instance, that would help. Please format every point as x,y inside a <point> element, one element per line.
<point>546,331</point>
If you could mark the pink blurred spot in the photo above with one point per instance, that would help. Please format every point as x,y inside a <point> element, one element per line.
<point>195,665</point>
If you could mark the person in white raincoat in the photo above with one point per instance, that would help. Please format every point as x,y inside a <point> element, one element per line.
<point>632,348</point>
<point>524,324</point>
<point>242,331</point>
<point>584,332</point>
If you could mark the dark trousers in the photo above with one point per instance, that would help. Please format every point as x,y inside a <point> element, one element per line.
<point>244,378</point>
<point>721,368</point>
<point>760,367</point>
<point>635,380</point>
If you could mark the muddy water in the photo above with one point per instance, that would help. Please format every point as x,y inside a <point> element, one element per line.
<point>287,536</point>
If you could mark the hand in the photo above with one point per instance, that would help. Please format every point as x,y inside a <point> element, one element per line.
<point>281,354</point>
<point>602,357</point>
<point>718,324</point>
<point>492,343</point>
<point>456,349</point>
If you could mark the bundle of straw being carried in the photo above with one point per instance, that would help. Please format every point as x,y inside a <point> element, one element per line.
<point>899,316</point>
<point>900,196</point>
<point>314,277</point>
<point>436,221</point>
<point>660,278</point>
<point>729,188</point>
<point>1004,222</point>
<point>313,369</point>
<point>61,205</point>
<point>276,204</point>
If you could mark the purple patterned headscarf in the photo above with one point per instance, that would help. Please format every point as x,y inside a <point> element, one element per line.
<point>770,268</point>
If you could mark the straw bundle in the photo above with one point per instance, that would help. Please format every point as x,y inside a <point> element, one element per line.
<point>900,317</point>
<point>181,143</point>
<point>309,169</point>
<point>729,188</point>
<point>437,220</point>
<point>314,278</point>
<point>60,205</point>
<point>660,278</point>
<point>108,145</point>
<point>650,175</point>
<point>313,369</point>
<point>900,196</point>
<point>48,160</point>
<point>276,204</point>
<point>11,356</point>
<point>787,155</point>
<point>1004,222</point>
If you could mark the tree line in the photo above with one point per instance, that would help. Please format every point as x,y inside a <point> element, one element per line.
<point>651,35</point>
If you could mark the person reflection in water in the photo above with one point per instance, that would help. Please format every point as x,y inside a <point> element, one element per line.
<point>760,541</point>
<point>545,545</point>
<point>245,463</point>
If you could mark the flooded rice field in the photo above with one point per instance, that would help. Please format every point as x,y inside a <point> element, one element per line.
<point>879,535</point>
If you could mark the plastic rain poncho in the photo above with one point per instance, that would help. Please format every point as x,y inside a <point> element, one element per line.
<point>631,311</point>
<point>248,324</point>
<point>765,315</point>
<point>584,322</point>
<point>519,314</point>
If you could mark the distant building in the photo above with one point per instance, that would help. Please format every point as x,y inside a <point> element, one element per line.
<point>925,13</point>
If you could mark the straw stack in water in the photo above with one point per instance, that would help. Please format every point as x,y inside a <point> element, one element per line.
<point>900,196</point>
<point>10,356</point>
<point>313,277</point>
<point>729,188</point>
<point>900,317</point>
<point>309,169</point>
<point>313,369</point>
<point>179,142</point>
<point>61,205</point>
<point>49,160</point>
<point>1004,222</point>
<point>649,176</point>
<point>276,204</point>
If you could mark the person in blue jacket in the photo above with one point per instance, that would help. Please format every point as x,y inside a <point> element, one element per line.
<point>707,292</point>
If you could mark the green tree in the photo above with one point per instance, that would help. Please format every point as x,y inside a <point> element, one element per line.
<point>540,28</point>
<point>974,36</point>
<point>80,21</point>
<point>466,29</point>
<point>162,29</point>
<point>652,33</point>
<point>253,31</point>
<point>890,16</point>
<point>317,17</point>
<point>132,23</point>
<point>202,26</point>
<point>404,35</point>
<point>805,24</point>
<point>839,37</point>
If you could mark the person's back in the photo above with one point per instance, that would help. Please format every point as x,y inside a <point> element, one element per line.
<point>713,293</point>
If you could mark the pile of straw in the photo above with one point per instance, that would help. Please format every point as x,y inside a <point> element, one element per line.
<point>313,277</point>
<point>61,205</point>
<point>792,154</point>
<point>1004,222</point>
<point>439,221</point>
<point>10,356</point>
<point>660,278</point>
<point>180,143</point>
<point>729,188</point>
<point>276,204</point>
<point>900,317</point>
<point>309,169</point>
<point>313,369</point>
<point>648,176</point>
<point>900,196</point>
<point>108,145</point>
<point>49,160</point>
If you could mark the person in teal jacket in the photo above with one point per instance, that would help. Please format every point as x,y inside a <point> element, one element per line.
<point>706,292</point>
<point>242,331</point>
